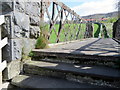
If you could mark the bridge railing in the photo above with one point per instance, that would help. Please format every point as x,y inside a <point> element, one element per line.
<point>3,42</point>
<point>61,24</point>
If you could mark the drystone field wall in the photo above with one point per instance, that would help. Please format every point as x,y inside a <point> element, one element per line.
<point>22,29</point>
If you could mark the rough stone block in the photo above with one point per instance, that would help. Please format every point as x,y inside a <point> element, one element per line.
<point>8,26</point>
<point>12,70</point>
<point>34,31</point>
<point>22,47</point>
<point>34,21</point>
<point>22,20</point>
<point>17,32</point>
<point>20,6</point>
<point>16,47</point>
<point>32,9</point>
<point>6,6</point>
<point>29,44</point>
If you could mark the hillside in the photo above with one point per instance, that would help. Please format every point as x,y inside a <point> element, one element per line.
<point>105,15</point>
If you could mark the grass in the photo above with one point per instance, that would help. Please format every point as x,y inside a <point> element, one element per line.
<point>41,43</point>
<point>70,31</point>
<point>96,30</point>
<point>105,32</point>
<point>109,28</point>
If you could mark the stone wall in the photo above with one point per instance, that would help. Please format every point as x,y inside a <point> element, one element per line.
<point>116,30</point>
<point>22,28</point>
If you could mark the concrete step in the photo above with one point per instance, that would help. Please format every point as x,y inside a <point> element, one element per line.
<point>34,81</point>
<point>73,72</point>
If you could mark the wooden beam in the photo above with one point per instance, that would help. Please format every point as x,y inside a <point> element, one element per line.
<point>2,19</point>
<point>3,65</point>
<point>3,42</point>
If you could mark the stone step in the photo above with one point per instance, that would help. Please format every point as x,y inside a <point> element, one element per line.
<point>73,72</point>
<point>94,51</point>
<point>34,81</point>
<point>71,56</point>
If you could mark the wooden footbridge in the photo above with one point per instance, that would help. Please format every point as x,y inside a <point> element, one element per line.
<point>82,61</point>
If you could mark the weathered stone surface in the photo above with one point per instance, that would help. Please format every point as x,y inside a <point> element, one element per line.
<point>16,47</point>
<point>34,21</point>
<point>17,32</point>
<point>6,7</point>
<point>18,26</point>
<point>32,9</point>
<point>33,81</point>
<point>22,20</point>
<point>20,6</point>
<point>7,27</point>
<point>13,69</point>
<point>29,44</point>
<point>34,31</point>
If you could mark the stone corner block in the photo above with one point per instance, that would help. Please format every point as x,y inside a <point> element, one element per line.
<point>13,69</point>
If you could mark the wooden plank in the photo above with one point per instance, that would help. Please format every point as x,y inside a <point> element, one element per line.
<point>3,42</point>
<point>3,66</point>
<point>2,19</point>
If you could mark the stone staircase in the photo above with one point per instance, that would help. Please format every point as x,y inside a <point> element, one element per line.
<point>56,68</point>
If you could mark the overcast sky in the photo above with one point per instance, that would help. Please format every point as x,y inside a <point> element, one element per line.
<point>88,7</point>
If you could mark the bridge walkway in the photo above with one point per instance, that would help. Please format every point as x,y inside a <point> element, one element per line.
<point>91,46</point>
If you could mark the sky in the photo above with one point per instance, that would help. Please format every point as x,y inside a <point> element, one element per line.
<point>89,7</point>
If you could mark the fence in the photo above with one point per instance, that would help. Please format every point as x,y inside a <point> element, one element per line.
<point>61,23</point>
<point>3,42</point>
